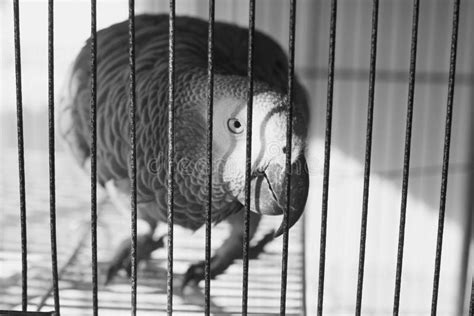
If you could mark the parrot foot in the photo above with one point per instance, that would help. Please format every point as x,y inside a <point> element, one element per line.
<point>256,250</point>
<point>219,264</point>
<point>146,244</point>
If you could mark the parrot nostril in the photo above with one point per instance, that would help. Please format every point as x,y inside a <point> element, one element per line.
<point>284,150</point>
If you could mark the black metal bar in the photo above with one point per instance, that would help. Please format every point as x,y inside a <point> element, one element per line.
<point>406,160</point>
<point>368,154</point>
<point>133,153</point>
<point>327,155</point>
<point>171,113</point>
<point>72,257</point>
<point>21,157</point>
<point>289,130</point>
<point>447,143</point>
<point>210,104</point>
<point>52,168</point>
<point>93,146</point>
<point>471,305</point>
<point>248,155</point>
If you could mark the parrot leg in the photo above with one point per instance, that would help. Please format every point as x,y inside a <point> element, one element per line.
<point>146,244</point>
<point>230,249</point>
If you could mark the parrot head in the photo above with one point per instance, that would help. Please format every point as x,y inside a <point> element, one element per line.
<point>269,177</point>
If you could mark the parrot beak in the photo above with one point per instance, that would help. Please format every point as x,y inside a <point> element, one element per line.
<point>268,189</point>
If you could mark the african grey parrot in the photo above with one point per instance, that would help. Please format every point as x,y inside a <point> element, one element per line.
<point>268,185</point>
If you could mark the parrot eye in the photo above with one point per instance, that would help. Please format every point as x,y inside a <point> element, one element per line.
<point>235,126</point>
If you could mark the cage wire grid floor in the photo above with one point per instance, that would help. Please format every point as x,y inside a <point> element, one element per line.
<point>74,253</point>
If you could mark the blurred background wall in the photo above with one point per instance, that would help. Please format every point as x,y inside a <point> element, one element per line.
<point>72,27</point>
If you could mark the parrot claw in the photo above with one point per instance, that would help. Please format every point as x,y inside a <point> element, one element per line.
<point>195,274</point>
<point>146,244</point>
<point>196,271</point>
<point>256,250</point>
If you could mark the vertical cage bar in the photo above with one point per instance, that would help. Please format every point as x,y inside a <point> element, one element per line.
<point>52,167</point>
<point>327,155</point>
<point>368,154</point>
<point>289,130</point>
<point>21,157</point>
<point>210,104</point>
<point>406,159</point>
<point>133,154</point>
<point>471,305</point>
<point>171,113</point>
<point>93,146</point>
<point>248,155</point>
<point>447,143</point>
